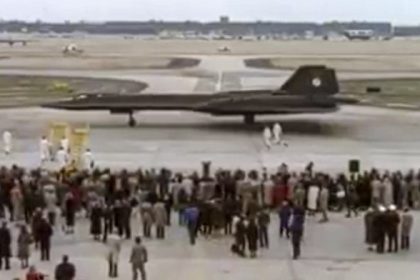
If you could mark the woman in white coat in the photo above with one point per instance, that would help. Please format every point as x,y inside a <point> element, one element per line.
<point>113,255</point>
<point>7,142</point>
<point>313,195</point>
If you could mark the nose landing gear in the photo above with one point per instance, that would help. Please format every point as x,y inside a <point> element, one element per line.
<point>249,119</point>
<point>131,120</point>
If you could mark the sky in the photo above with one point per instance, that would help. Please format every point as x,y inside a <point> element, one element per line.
<point>395,11</point>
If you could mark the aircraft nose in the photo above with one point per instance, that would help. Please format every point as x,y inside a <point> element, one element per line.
<point>56,105</point>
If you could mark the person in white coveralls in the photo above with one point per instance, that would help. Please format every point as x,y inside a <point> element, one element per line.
<point>44,147</point>
<point>62,158</point>
<point>87,160</point>
<point>267,136</point>
<point>64,143</point>
<point>7,142</point>
<point>278,134</point>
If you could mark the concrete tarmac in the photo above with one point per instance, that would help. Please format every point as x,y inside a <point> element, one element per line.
<point>383,138</point>
<point>330,251</point>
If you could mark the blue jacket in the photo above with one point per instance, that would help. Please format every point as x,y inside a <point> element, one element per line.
<point>191,214</point>
<point>298,220</point>
<point>284,214</point>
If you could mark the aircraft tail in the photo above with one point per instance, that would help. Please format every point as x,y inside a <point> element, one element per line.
<point>309,80</point>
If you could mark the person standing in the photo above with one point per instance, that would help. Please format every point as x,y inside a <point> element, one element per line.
<point>65,270</point>
<point>388,191</point>
<point>168,201</point>
<point>252,238</point>
<point>191,214</point>
<point>108,222</point>
<point>296,228</point>
<point>50,198</point>
<point>7,142</point>
<point>44,147</point>
<point>88,160</point>
<point>64,143</point>
<point>138,259</point>
<point>114,249</point>
<point>267,137</point>
<point>23,246</point>
<point>393,221</point>
<point>406,226</point>
<point>45,233</point>
<point>323,204</point>
<point>147,218</point>
<point>299,196</point>
<point>159,212</point>
<point>69,212</point>
<point>5,246</point>
<point>284,215</point>
<point>96,220</point>
<point>16,198</point>
<point>62,158</point>
<point>278,134</point>
<point>312,199</point>
<point>118,217</point>
<point>376,191</point>
<point>263,224</point>
<point>240,236</point>
<point>369,230</point>
<point>126,219</point>
<point>379,225</point>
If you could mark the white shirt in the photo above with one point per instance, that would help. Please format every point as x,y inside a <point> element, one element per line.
<point>7,140</point>
<point>267,133</point>
<point>7,137</point>
<point>87,160</point>
<point>64,144</point>
<point>44,147</point>
<point>277,130</point>
<point>62,158</point>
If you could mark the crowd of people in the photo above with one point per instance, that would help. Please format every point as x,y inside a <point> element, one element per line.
<point>230,202</point>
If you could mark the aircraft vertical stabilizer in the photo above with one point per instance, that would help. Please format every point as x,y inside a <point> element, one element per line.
<point>312,80</point>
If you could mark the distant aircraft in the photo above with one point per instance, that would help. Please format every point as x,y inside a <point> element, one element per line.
<point>72,50</point>
<point>311,89</point>
<point>224,49</point>
<point>12,42</point>
<point>363,34</point>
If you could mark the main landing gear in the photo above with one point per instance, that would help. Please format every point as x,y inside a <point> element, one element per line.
<point>131,120</point>
<point>249,119</point>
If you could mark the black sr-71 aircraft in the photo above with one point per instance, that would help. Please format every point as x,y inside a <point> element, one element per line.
<point>311,89</point>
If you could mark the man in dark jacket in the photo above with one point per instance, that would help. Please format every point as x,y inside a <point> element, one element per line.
<point>126,218</point>
<point>297,228</point>
<point>65,270</point>
<point>252,237</point>
<point>369,230</point>
<point>96,220</point>
<point>45,232</point>
<point>393,220</point>
<point>108,222</point>
<point>284,215</point>
<point>118,217</point>
<point>5,244</point>
<point>379,228</point>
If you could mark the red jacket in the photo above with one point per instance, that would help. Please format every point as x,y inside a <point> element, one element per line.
<point>33,276</point>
